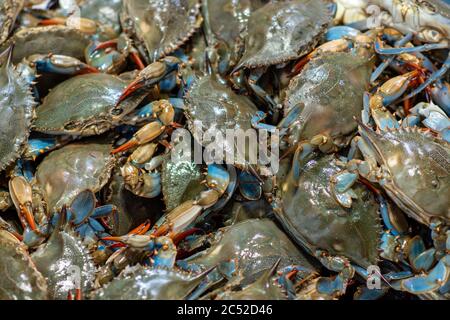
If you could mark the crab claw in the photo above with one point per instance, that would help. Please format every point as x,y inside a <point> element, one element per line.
<point>21,195</point>
<point>150,76</point>
<point>84,25</point>
<point>136,241</point>
<point>61,64</point>
<point>146,134</point>
<point>106,45</point>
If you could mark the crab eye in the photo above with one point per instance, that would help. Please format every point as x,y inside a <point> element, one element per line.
<point>435,183</point>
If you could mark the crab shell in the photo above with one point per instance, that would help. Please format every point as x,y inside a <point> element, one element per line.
<point>19,278</point>
<point>284,30</point>
<point>254,244</point>
<point>330,93</point>
<point>211,104</point>
<point>181,181</point>
<point>55,260</point>
<point>9,10</point>
<point>16,113</point>
<point>160,26</point>
<point>45,40</point>
<point>308,211</point>
<point>415,171</point>
<point>84,105</point>
<point>66,172</point>
<point>141,283</point>
<point>227,20</point>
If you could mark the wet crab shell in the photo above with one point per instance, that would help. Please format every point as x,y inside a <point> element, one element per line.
<point>9,10</point>
<point>66,172</point>
<point>59,258</point>
<point>45,40</point>
<point>181,181</point>
<point>211,104</point>
<point>308,211</point>
<point>141,283</point>
<point>19,278</point>
<point>227,20</point>
<point>416,171</point>
<point>254,244</point>
<point>16,113</point>
<point>330,93</point>
<point>160,26</point>
<point>84,105</point>
<point>284,30</point>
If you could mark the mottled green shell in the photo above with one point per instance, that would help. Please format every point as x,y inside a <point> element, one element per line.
<point>161,26</point>
<point>149,284</point>
<point>308,211</point>
<point>330,94</point>
<point>181,181</point>
<point>9,10</point>
<point>225,22</point>
<point>84,105</point>
<point>284,30</point>
<point>212,105</point>
<point>54,260</point>
<point>16,113</point>
<point>44,40</point>
<point>255,244</point>
<point>418,167</point>
<point>19,278</point>
<point>66,172</point>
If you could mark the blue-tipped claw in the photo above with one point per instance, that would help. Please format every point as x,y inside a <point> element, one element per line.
<point>339,32</point>
<point>425,260</point>
<point>82,207</point>
<point>438,276</point>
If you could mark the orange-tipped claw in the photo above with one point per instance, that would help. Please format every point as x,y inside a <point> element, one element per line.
<point>29,218</point>
<point>52,22</point>
<point>137,60</point>
<point>78,294</point>
<point>126,146</point>
<point>177,238</point>
<point>140,230</point>
<point>162,230</point>
<point>88,69</point>
<point>300,65</point>
<point>135,85</point>
<point>114,239</point>
<point>106,45</point>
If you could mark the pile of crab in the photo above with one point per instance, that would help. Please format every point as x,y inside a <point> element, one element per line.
<point>95,202</point>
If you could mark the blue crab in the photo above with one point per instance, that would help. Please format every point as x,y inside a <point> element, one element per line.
<point>280,32</point>
<point>323,99</point>
<point>97,102</point>
<point>70,170</point>
<point>160,27</point>
<point>45,40</point>
<point>20,280</point>
<point>16,111</point>
<point>225,22</point>
<point>264,288</point>
<point>212,105</point>
<point>337,236</point>
<point>66,172</point>
<point>144,283</point>
<point>62,255</point>
<point>391,155</point>
<point>253,245</point>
